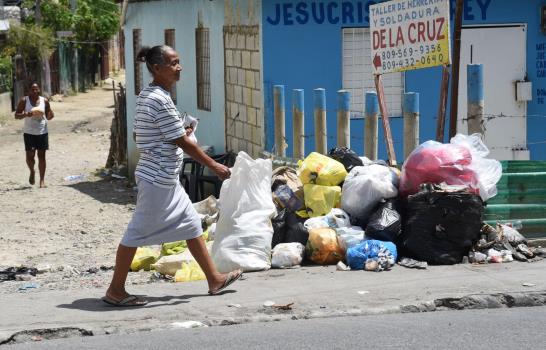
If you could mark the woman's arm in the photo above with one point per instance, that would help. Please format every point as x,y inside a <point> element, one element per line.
<point>20,110</point>
<point>197,153</point>
<point>48,112</point>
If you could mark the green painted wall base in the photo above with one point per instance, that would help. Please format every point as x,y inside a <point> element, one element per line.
<point>521,196</point>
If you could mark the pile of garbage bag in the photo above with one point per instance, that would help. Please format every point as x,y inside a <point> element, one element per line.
<point>344,209</point>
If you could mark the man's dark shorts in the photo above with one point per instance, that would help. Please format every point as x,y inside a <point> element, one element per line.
<point>36,142</point>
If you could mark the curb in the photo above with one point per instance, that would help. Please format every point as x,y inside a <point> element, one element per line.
<point>467,302</point>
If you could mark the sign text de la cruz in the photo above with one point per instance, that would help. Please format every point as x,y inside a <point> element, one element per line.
<point>409,34</point>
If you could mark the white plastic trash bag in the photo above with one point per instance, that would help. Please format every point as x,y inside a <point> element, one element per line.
<point>334,219</point>
<point>365,187</point>
<point>348,237</point>
<point>287,255</point>
<point>488,171</point>
<point>243,234</point>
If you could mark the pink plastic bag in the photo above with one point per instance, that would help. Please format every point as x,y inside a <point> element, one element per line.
<point>434,162</point>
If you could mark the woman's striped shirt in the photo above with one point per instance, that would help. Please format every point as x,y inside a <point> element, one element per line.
<point>157,124</point>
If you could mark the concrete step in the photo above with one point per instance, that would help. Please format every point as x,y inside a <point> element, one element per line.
<point>521,188</point>
<point>522,181</point>
<point>515,211</point>
<point>523,166</point>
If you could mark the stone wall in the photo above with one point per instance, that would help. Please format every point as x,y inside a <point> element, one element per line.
<point>243,80</point>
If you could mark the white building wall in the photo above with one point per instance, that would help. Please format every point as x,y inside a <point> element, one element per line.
<point>153,18</point>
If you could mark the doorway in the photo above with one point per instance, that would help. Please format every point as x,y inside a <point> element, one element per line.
<point>502,51</point>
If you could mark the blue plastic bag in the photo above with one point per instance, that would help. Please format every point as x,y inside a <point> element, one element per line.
<point>370,249</point>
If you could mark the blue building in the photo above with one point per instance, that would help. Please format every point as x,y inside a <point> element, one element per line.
<point>234,51</point>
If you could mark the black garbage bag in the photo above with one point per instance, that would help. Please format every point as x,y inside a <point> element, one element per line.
<point>385,223</point>
<point>440,226</point>
<point>279,228</point>
<point>345,156</point>
<point>294,229</point>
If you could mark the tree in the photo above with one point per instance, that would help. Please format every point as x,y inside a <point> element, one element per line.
<point>93,21</point>
<point>31,41</point>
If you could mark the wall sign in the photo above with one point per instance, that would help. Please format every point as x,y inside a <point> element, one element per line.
<point>345,13</point>
<point>409,34</point>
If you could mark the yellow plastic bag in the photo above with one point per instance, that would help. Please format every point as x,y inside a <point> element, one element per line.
<point>190,271</point>
<point>320,200</point>
<point>178,247</point>
<point>321,170</point>
<point>144,257</point>
<point>173,248</point>
<point>322,247</point>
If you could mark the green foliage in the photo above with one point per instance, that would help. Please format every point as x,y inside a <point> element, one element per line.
<point>5,73</point>
<point>94,20</point>
<point>33,42</point>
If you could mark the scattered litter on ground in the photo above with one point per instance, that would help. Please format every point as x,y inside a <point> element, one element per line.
<point>30,285</point>
<point>412,263</point>
<point>188,324</point>
<point>43,268</point>
<point>75,177</point>
<point>527,284</point>
<point>20,273</point>
<point>363,292</point>
<point>342,267</point>
<point>285,307</point>
<point>237,306</point>
<point>269,303</point>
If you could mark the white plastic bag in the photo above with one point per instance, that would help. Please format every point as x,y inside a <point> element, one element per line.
<point>243,234</point>
<point>334,219</point>
<point>348,237</point>
<point>287,255</point>
<point>364,188</point>
<point>338,218</point>
<point>489,171</point>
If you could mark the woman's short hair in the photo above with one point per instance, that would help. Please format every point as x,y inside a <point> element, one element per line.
<point>153,55</point>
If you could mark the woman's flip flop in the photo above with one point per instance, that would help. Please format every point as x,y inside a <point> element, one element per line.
<point>131,300</point>
<point>231,277</point>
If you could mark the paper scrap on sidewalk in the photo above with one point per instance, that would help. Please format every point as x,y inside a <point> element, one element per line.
<point>188,324</point>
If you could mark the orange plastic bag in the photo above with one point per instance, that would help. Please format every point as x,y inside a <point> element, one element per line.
<point>322,247</point>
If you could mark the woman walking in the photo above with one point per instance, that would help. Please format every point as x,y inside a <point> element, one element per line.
<point>163,211</point>
<point>36,112</point>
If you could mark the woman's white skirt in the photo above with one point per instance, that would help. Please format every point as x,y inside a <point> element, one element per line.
<point>161,215</point>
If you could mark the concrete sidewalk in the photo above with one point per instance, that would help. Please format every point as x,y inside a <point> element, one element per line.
<point>315,291</point>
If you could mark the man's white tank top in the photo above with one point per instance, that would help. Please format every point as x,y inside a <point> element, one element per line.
<point>33,125</point>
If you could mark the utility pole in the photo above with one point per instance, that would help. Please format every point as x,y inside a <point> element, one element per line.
<point>45,73</point>
<point>455,69</point>
<point>74,6</point>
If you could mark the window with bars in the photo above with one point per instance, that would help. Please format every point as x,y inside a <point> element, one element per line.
<point>170,41</point>
<point>137,43</point>
<point>358,77</point>
<point>202,58</point>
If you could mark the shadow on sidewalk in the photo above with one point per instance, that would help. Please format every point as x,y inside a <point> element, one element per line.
<point>97,305</point>
<point>107,190</point>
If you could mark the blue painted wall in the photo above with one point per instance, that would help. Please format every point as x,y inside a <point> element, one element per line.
<point>304,51</point>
